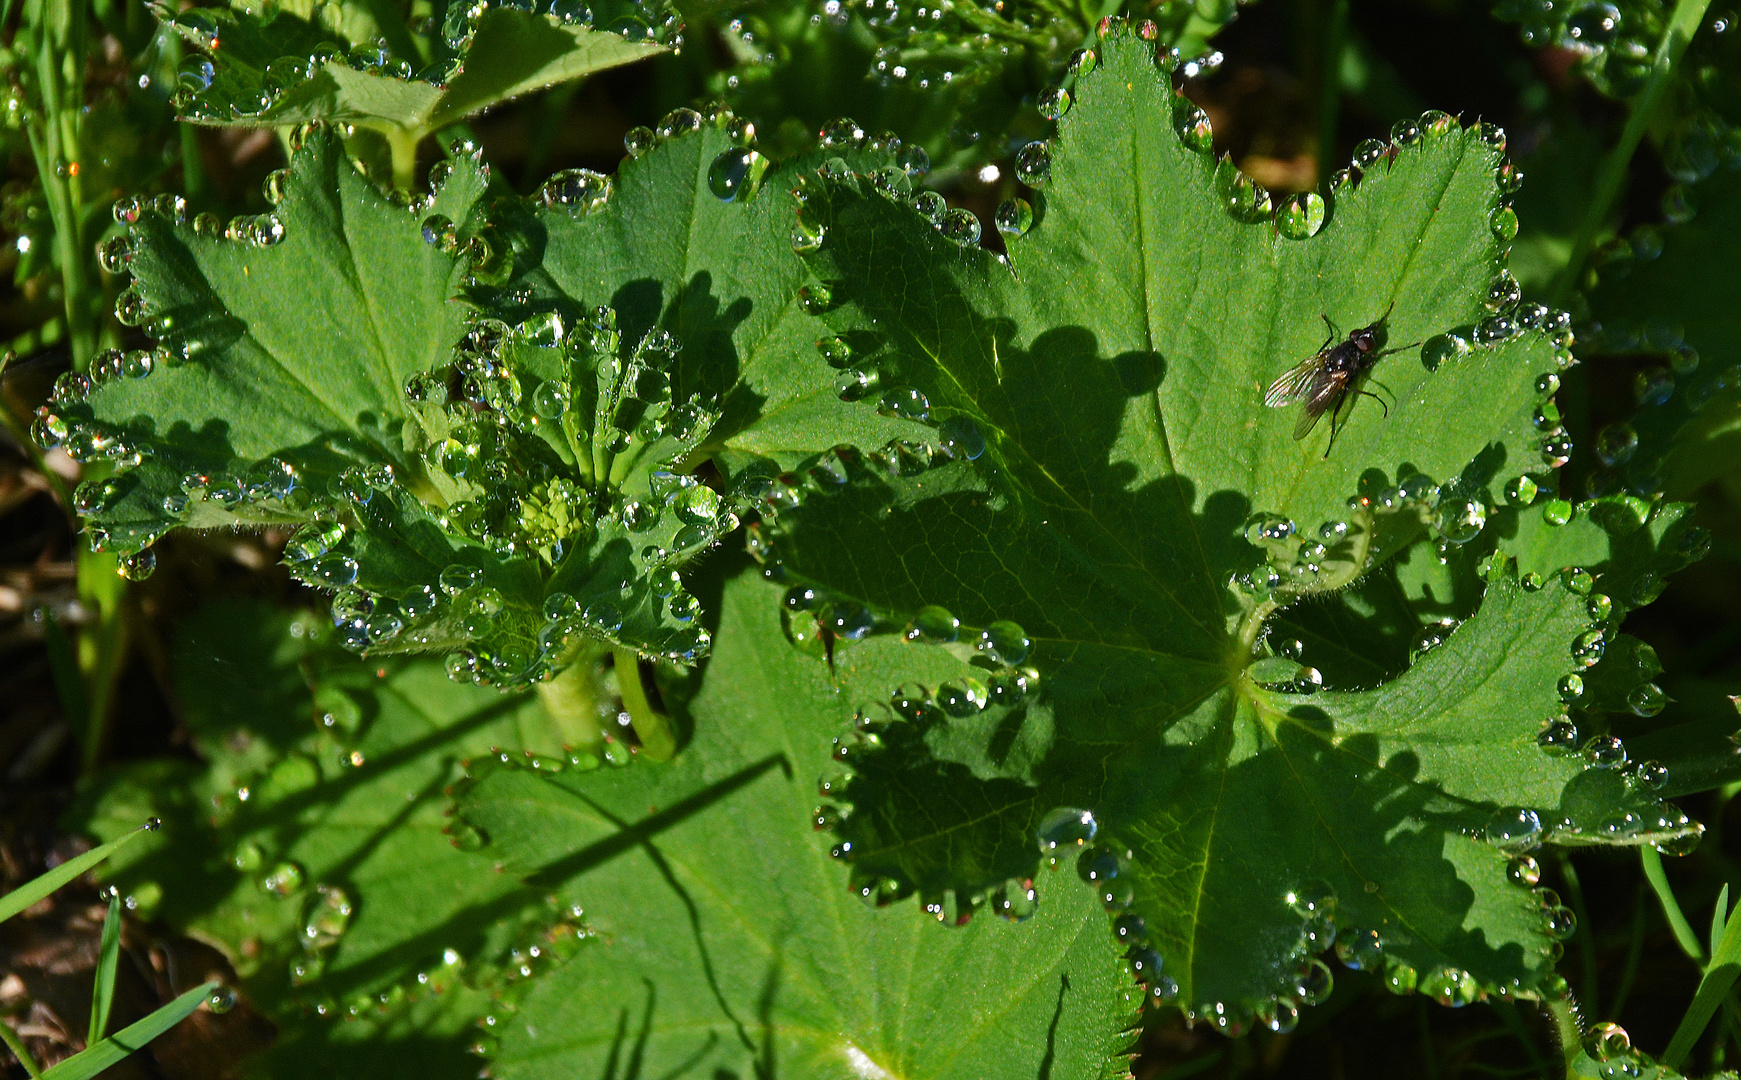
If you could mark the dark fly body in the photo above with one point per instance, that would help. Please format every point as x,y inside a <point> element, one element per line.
<point>1329,380</point>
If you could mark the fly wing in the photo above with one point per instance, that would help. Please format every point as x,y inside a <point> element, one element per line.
<point>1295,383</point>
<point>1324,396</point>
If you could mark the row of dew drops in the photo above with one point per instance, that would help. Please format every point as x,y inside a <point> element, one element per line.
<point>1299,559</point>
<point>1001,678</point>
<point>65,422</point>
<point>1106,868</point>
<point>1297,217</point>
<point>552,932</point>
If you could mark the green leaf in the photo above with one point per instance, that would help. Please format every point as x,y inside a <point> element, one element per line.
<point>506,538</point>
<point>724,943</point>
<point>35,889</point>
<point>719,274</point>
<point>1110,513</point>
<point>108,956</point>
<point>310,846</point>
<point>1661,302</point>
<point>284,68</point>
<point>1720,974</point>
<point>92,1060</point>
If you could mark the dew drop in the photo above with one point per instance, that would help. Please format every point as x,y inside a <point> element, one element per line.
<point>1066,827</point>
<point>334,571</point>
<point>1369,153</point>
<point>934,625</point>
<point>1560,736</point>
<point>1360,950</point>
<point>1504,293</point>
<point>1014,217</point>
<point>1616,443</point>
<point>1605,752</point>
<point>1646,699</point>
<point>1515,827</point>
<point>1521,490</point>
<point>284,879</point>
<point>457,578</point>
<point>735,173</point>
<point>638,140</point>
<point>1313,983</point>
<point>1034,164</point>
<point>1005,642</point>
<point>221,1000</point>
<point>961,226</point>
<point>139,565</point>
<point>677,123</point>
<point>1055,102</point>
<point>575,190</point>
<point>1301,216</point>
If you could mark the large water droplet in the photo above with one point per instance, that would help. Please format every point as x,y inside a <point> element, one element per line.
<point>1034,164</point>
<point>1014,217</point>
<point>735,173</point>
<point>1301,216</point>
<point>1066,827</point>
<point>577,190</point>
<point>1516,827</point>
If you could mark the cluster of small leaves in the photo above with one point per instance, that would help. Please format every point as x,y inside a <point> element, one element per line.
<point>376,67</point>
<point>535,506</point>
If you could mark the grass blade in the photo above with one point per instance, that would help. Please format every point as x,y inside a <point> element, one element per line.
<point>94,1059</point>
<point>1719,916</point>
<point>32,891</point>
<point>1720,975</point>
<point>15,1043</point>
<point>108,956</point>
<point>1671,908</point>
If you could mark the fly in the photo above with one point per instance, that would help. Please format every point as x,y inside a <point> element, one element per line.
<point>1329,379</point>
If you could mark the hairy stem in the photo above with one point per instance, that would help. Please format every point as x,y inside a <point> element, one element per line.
<point>1675,38</point>
<point>1568,1030</point>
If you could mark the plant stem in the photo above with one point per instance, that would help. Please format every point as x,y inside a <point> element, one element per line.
<point>403,147</point>
<point>1567,1029</point>
<point>1671,908</point>
<point>1675,38</point>
<point>652,727</point>
<point>1586,933</point>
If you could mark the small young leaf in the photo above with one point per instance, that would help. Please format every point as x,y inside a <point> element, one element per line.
<point>108,956</point>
